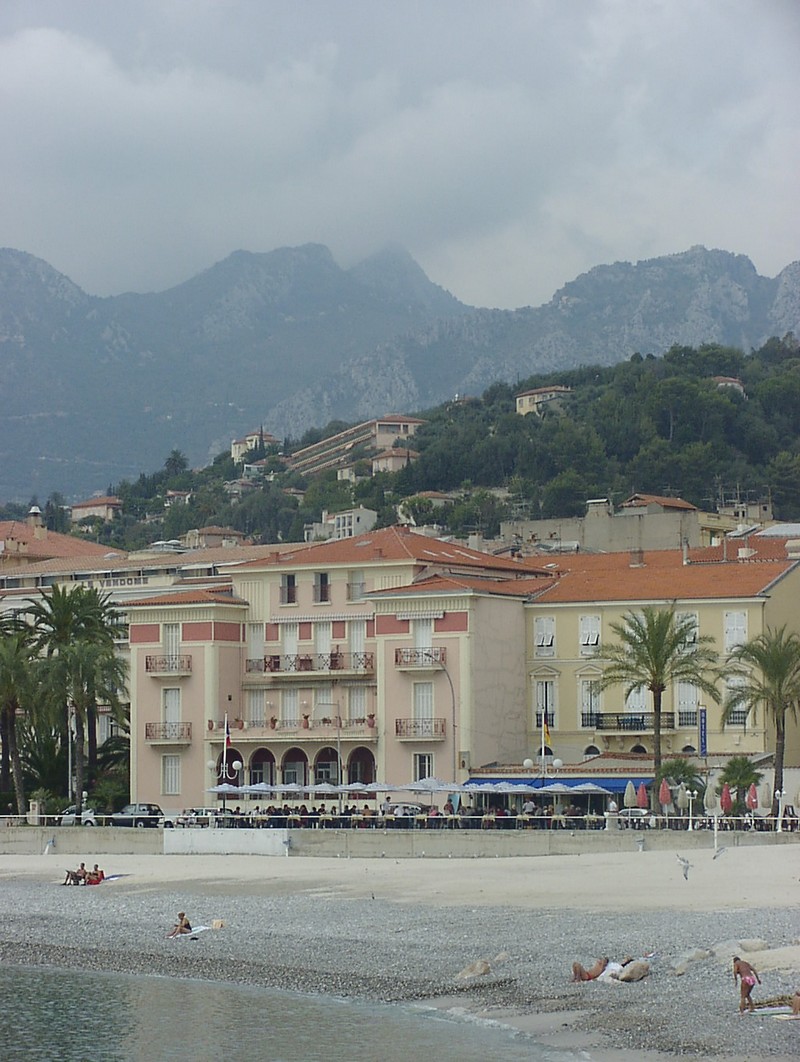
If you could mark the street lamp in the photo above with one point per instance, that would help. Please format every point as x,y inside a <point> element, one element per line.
<point>692,794</point>
<point>453,717</point>
<point>226,773</point>
<point>780,796</point>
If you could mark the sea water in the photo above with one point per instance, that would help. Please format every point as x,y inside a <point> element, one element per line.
<point>53,1015</point>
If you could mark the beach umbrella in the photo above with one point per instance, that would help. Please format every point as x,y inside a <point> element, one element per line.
<point>766,796</point>
<point>225,789</point>
<point>629,797</point>
<point>682,799</point>
<point>324,789</point>
<point>726,800</point>
<point>710,799</point>
<point>752,797</point>
<point>641,796</point>
<point>664,794</point>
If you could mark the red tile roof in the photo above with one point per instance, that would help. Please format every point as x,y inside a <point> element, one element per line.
<point>636,500</point>
<point>107,500</point>
<point>189,597</point>
<point>395,544</point>
<point>661,576</point>
<point>446,584</point>
<point>47,544</point>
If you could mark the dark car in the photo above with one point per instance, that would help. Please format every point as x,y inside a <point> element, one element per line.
<point>139,815</point>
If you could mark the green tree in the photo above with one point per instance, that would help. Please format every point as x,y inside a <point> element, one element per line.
<point>766,672</point>
<point>738,774</point>
<point>656,649</point>
<point>18,661</point>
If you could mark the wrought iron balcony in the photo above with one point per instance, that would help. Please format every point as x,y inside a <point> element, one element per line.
<point>175,733</point>
<point>551,718</point>
<point>291,663</point>
<point>626,722</point>
<point>430,729</point>
<point>687,717</point>
<point>431,656</point>
<point>168,664</point>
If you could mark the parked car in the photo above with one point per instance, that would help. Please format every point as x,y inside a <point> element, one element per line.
<point>88,817</point>
<point>140,815</point>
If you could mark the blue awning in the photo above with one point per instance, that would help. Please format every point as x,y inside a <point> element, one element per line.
<point>616,784</point>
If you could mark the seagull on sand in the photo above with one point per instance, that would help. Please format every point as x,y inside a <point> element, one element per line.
<point>685,864</point>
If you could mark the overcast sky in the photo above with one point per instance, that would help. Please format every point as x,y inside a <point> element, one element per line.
<point>508,144</point>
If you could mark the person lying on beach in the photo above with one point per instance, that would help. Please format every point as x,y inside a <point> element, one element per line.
<point>748,977</point>
<point>181,926</point>
<point>580,973</point>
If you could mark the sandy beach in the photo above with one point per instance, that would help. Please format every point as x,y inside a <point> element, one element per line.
<point>407,930</point>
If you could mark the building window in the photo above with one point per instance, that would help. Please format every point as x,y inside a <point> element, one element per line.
<point>687,704</point>
<point>356,586</point>
<point>636,701</point>
<point>591,700</point>
<point>322,588</point>
<point>170,775</point>
<point>256,707</point>
<point>357,633</point>
<point>545,702</point>
<point>290,706</point>
<point>288,589</point>
<point>737,716</point>
<point>255,641</point>
<point>423,700</point>
<point>735,630</point>
<point>172,706</point>
<point>589,635</point>
<point>172,640</point>
<point>544,636</point>
<point>423,765</point>
<point>357,700</point>
<point>689,618</point>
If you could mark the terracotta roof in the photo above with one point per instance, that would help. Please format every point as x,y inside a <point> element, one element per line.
<point>395,544</point>
<point>657,499</point>
<point>190,597</point>
<point>661,576</point>
<point>444,584</point>
<point>93,502</point>
<point>49,544</point>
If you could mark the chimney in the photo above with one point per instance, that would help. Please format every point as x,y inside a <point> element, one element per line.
<point>35,522</point>
<point>685,549</point>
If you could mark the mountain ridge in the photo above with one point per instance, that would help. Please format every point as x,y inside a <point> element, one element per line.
<point>102,388</point>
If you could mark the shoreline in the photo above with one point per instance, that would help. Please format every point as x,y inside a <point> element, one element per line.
<point>402,931</point>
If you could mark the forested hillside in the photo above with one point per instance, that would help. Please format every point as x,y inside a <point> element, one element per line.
<point>657,425</point>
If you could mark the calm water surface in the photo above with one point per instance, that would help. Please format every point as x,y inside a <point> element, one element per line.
<point>52,1015</point>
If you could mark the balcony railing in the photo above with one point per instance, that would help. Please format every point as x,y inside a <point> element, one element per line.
<point>420,728</point>
<point>356,591</point>
<point>687,717</point>
<point>288,595</point>
<point>290,663</point>
<point>551,718</point>
<point>431,656</point>
<point>626,721</point>
<point>178,732</point>
<point>327,726</point>
<point>168,664</point>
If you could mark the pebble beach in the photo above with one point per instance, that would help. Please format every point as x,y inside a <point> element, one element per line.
<point>411,930</point>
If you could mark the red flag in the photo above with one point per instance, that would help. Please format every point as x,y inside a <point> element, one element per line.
<point>227,733</point>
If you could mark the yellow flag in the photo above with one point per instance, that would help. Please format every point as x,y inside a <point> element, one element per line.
<point>547,739</point>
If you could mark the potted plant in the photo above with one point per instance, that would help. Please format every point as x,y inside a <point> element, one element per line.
<point>325,720</point>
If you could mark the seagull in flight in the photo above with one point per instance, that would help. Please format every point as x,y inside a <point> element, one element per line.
<point>719,852</point>
<point>685,864</point>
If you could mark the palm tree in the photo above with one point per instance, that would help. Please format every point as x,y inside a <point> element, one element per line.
<point>766,670</point>
<point>88,672</point>
<point>18,659</point>
<point>738,774</point>
<point>63,621</point>
<point>657,648</point>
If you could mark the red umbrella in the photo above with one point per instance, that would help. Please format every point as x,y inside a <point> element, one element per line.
<point>664,794</point>
<point>752,797</point>
<point>641,796</point>
<point>726,800</point>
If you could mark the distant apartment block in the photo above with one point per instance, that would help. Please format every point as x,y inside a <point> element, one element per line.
<point>105,508</point>
<point>362,439</point>
<point>341,525</point>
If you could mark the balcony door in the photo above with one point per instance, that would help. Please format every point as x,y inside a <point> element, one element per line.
<point>171,707</point>
<point>172,640</point>
<point>290,633</point>
<point>423,640</point>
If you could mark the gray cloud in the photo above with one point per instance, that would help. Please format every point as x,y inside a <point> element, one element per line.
<point>508,146</point>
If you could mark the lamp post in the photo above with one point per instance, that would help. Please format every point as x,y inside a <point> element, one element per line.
<point>692,794</point>
<point>453,718</point>
<point>780,796</point>
<point>226,773</point>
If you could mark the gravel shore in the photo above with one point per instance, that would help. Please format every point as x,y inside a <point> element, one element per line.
<point>351,934</point>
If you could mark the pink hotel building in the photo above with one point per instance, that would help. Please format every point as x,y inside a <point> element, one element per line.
<point>397,655</point>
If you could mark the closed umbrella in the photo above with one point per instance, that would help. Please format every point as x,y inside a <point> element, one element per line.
<point>766,796</point>
<point>726,800</point>
<point>664,794</point>
<point>752,797</point>
<point>629,798</point>
<point>641,796</point>
<point>683,797</point>
<point>710,798</point>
